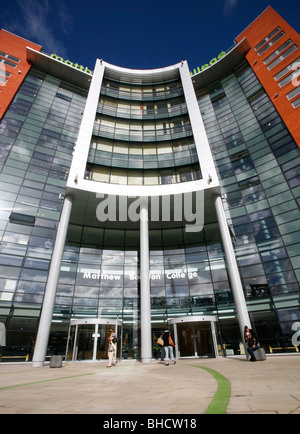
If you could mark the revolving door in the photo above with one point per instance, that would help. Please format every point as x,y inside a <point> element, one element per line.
<point>88,339</point>
<point>195,336</point>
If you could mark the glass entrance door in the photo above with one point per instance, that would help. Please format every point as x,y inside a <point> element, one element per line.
<point>85,340</point>
<point>195,340</point>
<point>88,339</point>
<point>195,336</point>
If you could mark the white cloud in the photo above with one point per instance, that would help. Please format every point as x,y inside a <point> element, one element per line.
<point>229,5</point>
<point>40,20</point>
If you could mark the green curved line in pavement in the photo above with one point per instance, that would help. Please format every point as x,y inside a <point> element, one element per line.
<point>219,402</point>
<point>13,386</point>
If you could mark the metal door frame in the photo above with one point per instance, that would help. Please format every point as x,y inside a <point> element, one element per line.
<point>195,319</point>
<point>93,321</point>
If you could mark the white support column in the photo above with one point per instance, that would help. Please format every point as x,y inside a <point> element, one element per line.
<point>214,338</point>
<point>205,157</point>
<point>233,271</point>
<point>177,351</point>
<point>146,337</point>
<point>95,343</point>
<point>41,344</point>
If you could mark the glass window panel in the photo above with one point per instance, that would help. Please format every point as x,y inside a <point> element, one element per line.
<point>101,174</point>
<point>290,77</point>
<point>11,260</point>
<point>296,103</point>
<point>284,71</point>
<point>36,263</point>
<point>104,146</point>
<point>67,273</point>
<point>6,296</point>
<point>273,33</point>
<point>67,290</point>
<point>272,42</point>
<point>219,274</point>
<point>31,287</point>
<point>150,150</point>
<point>151,178</point>
<point>85,291</point>
<point>165,149</point>
<point>8,63</point>
<point>203,289</point>
<point>135,178</point>
<point>109,292</point>
<point>8,285</point>
<point>121,149</point>
<point>281,278</point>
<point>168,177</point>
<point>10,237</point>
<point>41,242</point>
<point>34,275</point>
<point>185,174</point>
<point>278,51</point>
<point>13,249</point>
<point>295,182</point>
<point>293,93</point>
<point>10,57</point>
<point>136,150</point>
<point>282,57</point>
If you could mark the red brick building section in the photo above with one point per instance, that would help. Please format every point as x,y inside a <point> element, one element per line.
<point>13,66</point>
<point>271,37</point>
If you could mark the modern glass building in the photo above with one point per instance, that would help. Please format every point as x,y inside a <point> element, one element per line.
<point>136,199</point>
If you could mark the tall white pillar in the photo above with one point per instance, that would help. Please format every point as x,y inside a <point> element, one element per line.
<point>41,344</point>
<point>233,271</point>
<point>146,336</point>
<point>96,342</point>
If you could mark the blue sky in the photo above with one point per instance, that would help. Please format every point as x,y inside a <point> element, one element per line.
<point>135,34</point>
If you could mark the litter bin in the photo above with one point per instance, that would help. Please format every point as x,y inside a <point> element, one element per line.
<point>56,361</point>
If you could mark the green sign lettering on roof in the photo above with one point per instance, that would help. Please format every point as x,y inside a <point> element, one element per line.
<point>68,62</point>
<point>207,65</point>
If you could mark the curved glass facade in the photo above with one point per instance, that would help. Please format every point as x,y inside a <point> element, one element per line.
<point>142,134</point>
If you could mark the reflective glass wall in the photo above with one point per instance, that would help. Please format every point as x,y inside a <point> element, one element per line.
<point>258,164</point>
<point>100,278</point>
<point>37,137</point>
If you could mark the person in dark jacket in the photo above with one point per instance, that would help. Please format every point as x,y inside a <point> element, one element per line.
<point>162,354</point>
<point>168,347</point>
<point>252,343</point>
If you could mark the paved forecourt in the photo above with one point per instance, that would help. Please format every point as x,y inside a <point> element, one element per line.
<point>192,386</point>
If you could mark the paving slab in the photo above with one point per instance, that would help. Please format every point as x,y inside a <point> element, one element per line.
<point>133,388</point>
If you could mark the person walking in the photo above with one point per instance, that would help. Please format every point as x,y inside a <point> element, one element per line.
<point>252,343</point>
<point>168,347</point>
<point>111,349</point>
<point>160,342</point>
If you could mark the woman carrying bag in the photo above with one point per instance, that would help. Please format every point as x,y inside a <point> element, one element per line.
<point>160,342</point>
<point>111,350</point>
<point>168,347</point>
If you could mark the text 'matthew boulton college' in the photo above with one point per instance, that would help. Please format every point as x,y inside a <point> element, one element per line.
<point>140,199</point>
